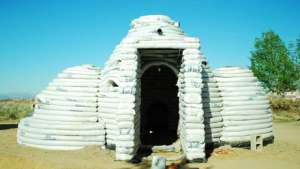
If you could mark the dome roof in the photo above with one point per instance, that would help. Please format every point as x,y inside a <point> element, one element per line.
<point>66,114</point>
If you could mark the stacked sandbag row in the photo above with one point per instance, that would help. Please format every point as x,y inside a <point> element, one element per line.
<point>212,105</point>
<point>157,31</point>
<point>245,105</point>
<point>109,100</point>
<point>191,124</point>
<point>128,116</point>
<point>65,116</point>
<point>120,101</point>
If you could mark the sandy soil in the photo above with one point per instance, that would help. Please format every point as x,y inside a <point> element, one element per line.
<point>284,153</point>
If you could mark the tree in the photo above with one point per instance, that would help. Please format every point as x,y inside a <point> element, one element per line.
<point>297,61</point>
<point>272,65</point>
<point>296,58</point>
<point>294,51</point>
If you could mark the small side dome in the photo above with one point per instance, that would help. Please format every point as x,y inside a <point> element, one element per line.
<point>245,105</point>
<point>66,114</point>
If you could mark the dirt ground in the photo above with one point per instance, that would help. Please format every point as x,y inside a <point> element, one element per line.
<point>284,153</point>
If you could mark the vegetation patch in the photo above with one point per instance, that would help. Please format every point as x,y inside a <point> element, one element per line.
<point>15,109</point>
<point>285,109</point>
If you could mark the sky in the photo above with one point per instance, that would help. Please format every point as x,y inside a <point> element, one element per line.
<point>40,38</point>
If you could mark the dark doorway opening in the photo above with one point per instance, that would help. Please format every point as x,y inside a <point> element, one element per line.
<point>159,106</point>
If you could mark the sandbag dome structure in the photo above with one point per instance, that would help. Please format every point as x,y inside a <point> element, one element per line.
<point>138,87</point>
<point>156,88</point>
<point>66,114</point>
<point>246,110</point>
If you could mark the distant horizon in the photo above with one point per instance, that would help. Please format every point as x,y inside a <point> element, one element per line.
<point>17,96</point>
<point>39,39</point>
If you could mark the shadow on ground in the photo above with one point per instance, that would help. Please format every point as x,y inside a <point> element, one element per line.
<point>8,126</point>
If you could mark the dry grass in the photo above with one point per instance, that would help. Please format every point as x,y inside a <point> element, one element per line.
<point>15,109</point>
<point>285,109</point>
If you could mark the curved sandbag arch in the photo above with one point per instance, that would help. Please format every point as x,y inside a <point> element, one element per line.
<point>159,63</point>
<point>159,106</point>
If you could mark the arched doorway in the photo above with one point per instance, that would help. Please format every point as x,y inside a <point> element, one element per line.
<point>159,106</point>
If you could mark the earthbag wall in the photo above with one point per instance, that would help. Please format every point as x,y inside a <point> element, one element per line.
<point>66,114</point>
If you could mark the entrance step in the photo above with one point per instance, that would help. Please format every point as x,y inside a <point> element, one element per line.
<point>175,147</point>
<point>171,157</point>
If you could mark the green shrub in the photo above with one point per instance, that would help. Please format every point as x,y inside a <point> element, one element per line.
<point>15,109</point>
<point>279,103</point>
<point>285,109</point>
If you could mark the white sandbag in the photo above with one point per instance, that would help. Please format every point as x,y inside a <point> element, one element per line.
<point>252,117</point>
<point>241,88</point>
<point>100,139</point>
<point>231,70</point>
<point>62,132</point>
<point>48,147</point>
<point>85,68</point>
<point>72,108</point>
<point>77,76</point>
<point>48,122</point>
<point>124,150</point>
<point>244,112</point>
<point>193,119</point>
<point>231,75</point>
<point>58,143</point>
<point>247,103</point>
<point>244,138</point>
<point>81,72</point>
<point>31,123</point>
<point>244,98</point>
<point>65,113</point>
<point>112,95</point>
<point>123,156</point>
<point>65,118</point>
<point>79,89</point>
<point>66,98</point>
<point>236,79</point>
<point>244,93</point>
<point>249,127</point>
<point>248,107</point>
<point>67,103</point>
<point>193,125</point>
<point>192,98</point>
<point>248,122</point>
<point>240,84</point>
<point>192,110</point>
<point>63,81</point>
<point>248,132</point>
<point>68,93</point>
